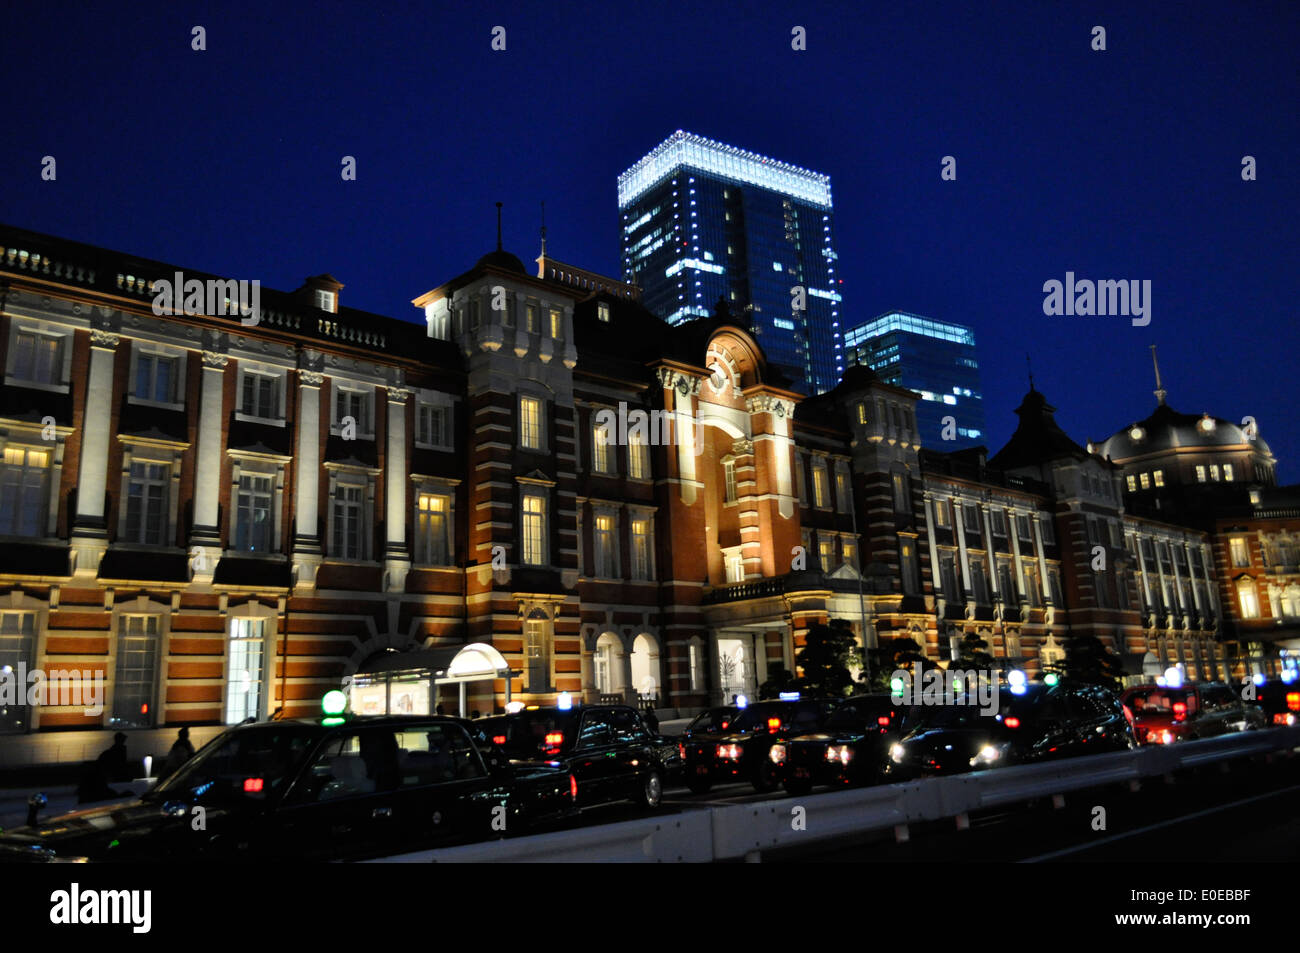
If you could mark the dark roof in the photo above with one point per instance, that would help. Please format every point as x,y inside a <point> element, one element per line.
<point>143,565</point>
<point>1038,439</point>
<point>1167,429</point>
<point>501,259</point>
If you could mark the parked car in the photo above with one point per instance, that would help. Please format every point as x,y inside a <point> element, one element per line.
<point>711,720</point>
<point>851,747</point>
<point>1280,702</point>
<point>1195,710</point>
<point>1043,722</point>
<point>607,748</point>
<point>304,790</point>
<point>742,750</point>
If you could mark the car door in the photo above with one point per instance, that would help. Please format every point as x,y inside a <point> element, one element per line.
<point>632,755</point>
<point>444,787</point>
<point>343,803</point>
<point>593,757</point>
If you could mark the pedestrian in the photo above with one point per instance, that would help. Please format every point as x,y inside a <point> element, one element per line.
<point>438,710</point>
<point>116,761</point>
<point>652,720</point>
<point>474,713</point>
<point>181,751</point>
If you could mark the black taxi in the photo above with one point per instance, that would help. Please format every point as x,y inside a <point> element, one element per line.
<point>338,789</point>
<point>608,749</point>
<point>742,750</point>
<point>852,746</point>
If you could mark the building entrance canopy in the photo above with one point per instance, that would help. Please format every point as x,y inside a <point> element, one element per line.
<point>405,683</point>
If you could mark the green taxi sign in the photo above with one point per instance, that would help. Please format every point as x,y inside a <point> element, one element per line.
<point>334,703</point>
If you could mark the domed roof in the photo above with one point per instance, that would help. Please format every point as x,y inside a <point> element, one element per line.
<point>1167,429</point>
<point>501,259</point>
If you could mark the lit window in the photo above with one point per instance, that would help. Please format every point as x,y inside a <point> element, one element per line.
<point>606,556</point>
<point>557,323</point>
<point>534,530</point>
<point>695,656</point>
<point>1249,599</point>
<point>530,316</point>
<point>135,679</point>
<point>729,481</point>
<point>325,300</point>
<point>1200,474</point>
<point>1240,552</point>
<point>530,423</point>
<point>641,549</point>
<point>842,491</point>
<point>1227,472</point>
<point>1159,477</point>
<point>819,485</point>
<point>538,653</point>
<point>24,492</point>
<point>432,530</point>
<point>638,456</point>
<point>1214,472</point>
<point>602,312</point>
<point>601,458</point>
<point>848,552</point>
<point>1132,483</point>
<point>941,516</point>
<point>146,504</point>
<point>862,412</point>
<point>735,568</point>
<point>244,676</point>
<point>1146,481</point>
<point>17,648</point>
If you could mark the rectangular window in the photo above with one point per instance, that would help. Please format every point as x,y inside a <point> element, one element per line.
<point>1240,552</point>
<point>325,300</point>
<point>911,570</point>
<point>530,318</point>
<point>1159,477</point>
<point>534,530</point>
<point>354,404</point>
<point>735,568</point>
<point>557,323</point>
<point>1048,530</point>
<point>901,502</point>
<point>849,553</point>
<point>641,549</point>
<point>1133,483</point>
<point>530,423</point>
<point>1200,474</point>
<point>1116,537</point>
<point>970,519</point>
<point>433,425</point>
<point>606,557</point>
<point>349,499</point>
<point>155,378</point>
<point>1214,472</point>
<point>432,529</point>
<point>602,312</point>
<point>24,491</point>
<point>696,666</point>
<point>244,677</point>
<point>1227,472</point>
<point>601,457</point>
<point>826,553</point>
<point>862,412</point>
<point>942,518</point>
<point>638,457</point>
<point>1145,480</point>
<point>1023,529</point>
<point>17,648</point>
<point>260,396</point>
<point>135,680</point>
<point>1249,599</point>
<point>1000,523</point>
<point>948,576</point>
<point>253,513</point>
<point>538,656</point>
<point>38,358</point>
<point>146,504</point>
<point>729,481</point>
<point>819,486</point>
<point>1094,535</point>
<point>842,491</point>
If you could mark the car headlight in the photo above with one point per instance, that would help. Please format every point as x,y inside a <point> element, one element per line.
<point>776,754</point>
<point>987,755</point>
<point>729,752</point>
<point>839,753</point>
<point>897,752</point>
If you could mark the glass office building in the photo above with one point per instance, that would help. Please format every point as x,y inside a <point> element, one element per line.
<point>703,220</point>
<point>936,359</point>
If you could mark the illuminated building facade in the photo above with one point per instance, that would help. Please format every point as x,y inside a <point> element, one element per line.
<point>936,359</point>
<point>701,221</point>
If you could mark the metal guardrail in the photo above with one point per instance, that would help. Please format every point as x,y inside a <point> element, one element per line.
<point>735,831</point>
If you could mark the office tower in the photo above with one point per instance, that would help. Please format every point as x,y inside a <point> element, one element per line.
<point>936,359</point>
<point>702,221</point>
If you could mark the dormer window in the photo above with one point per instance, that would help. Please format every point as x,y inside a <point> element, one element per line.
<point>602,312</point>
<point>326,300</point>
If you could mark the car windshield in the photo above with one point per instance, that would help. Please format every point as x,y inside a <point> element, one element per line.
<point>1160,700</point>
<point>758,717</point>
<point>855,714</point>
<point>715,719</point>
<point>524,735</point>
<point>247,764</point>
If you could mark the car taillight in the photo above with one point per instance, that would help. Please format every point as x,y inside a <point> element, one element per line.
<point>555,738</point>
<point>724,726</point>
<point>573,787</point>
<point>1012,722</point>
<point>681,750</point>
<point>1293,701</point>
<point>883,721</point>
<point>729,752</point>
<point>1180,711</point>
<point>498,739</point>
<point>773,724</point>
<point>252,785</point>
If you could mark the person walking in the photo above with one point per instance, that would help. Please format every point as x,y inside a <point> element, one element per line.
<point>181,751</point>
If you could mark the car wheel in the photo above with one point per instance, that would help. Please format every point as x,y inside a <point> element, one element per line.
<point>699,783</point>
<point>797,787</point>
<point>652,790</point>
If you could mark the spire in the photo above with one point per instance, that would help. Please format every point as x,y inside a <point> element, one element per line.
<point>498,226</point>
<point>1160,391</point>
<point>1031,371</point>
<point>543,229</point>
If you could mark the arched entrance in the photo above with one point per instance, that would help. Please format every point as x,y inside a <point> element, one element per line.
<point>646,679</point>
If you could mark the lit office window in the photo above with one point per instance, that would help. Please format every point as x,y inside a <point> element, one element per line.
<point>530,423</point>
<point>24,491</point>
<point>136,674</point>
<point>432,530</point>
<point>245,694</point>
<point>534,530</point>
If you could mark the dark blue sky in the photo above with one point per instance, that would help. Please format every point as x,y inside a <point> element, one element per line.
<point>1117,164</point>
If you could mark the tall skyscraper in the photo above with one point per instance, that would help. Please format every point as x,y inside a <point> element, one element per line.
<point>935,358</point>
<point>703,221</point>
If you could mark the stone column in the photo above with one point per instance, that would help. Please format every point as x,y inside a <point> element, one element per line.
<point>625,674</point>
<point>205,534</point>
<point>306,541</point>
<point>90,526</point>
<point>396,556</point>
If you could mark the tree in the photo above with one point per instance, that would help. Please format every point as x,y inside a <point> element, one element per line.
<point>891,655</point>
<point>1088,660</point>
<point>779,679</point>
<point>825,659</point>
<point>973,653</point>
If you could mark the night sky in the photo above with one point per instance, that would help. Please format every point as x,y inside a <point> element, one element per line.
<point>1117,164</point>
